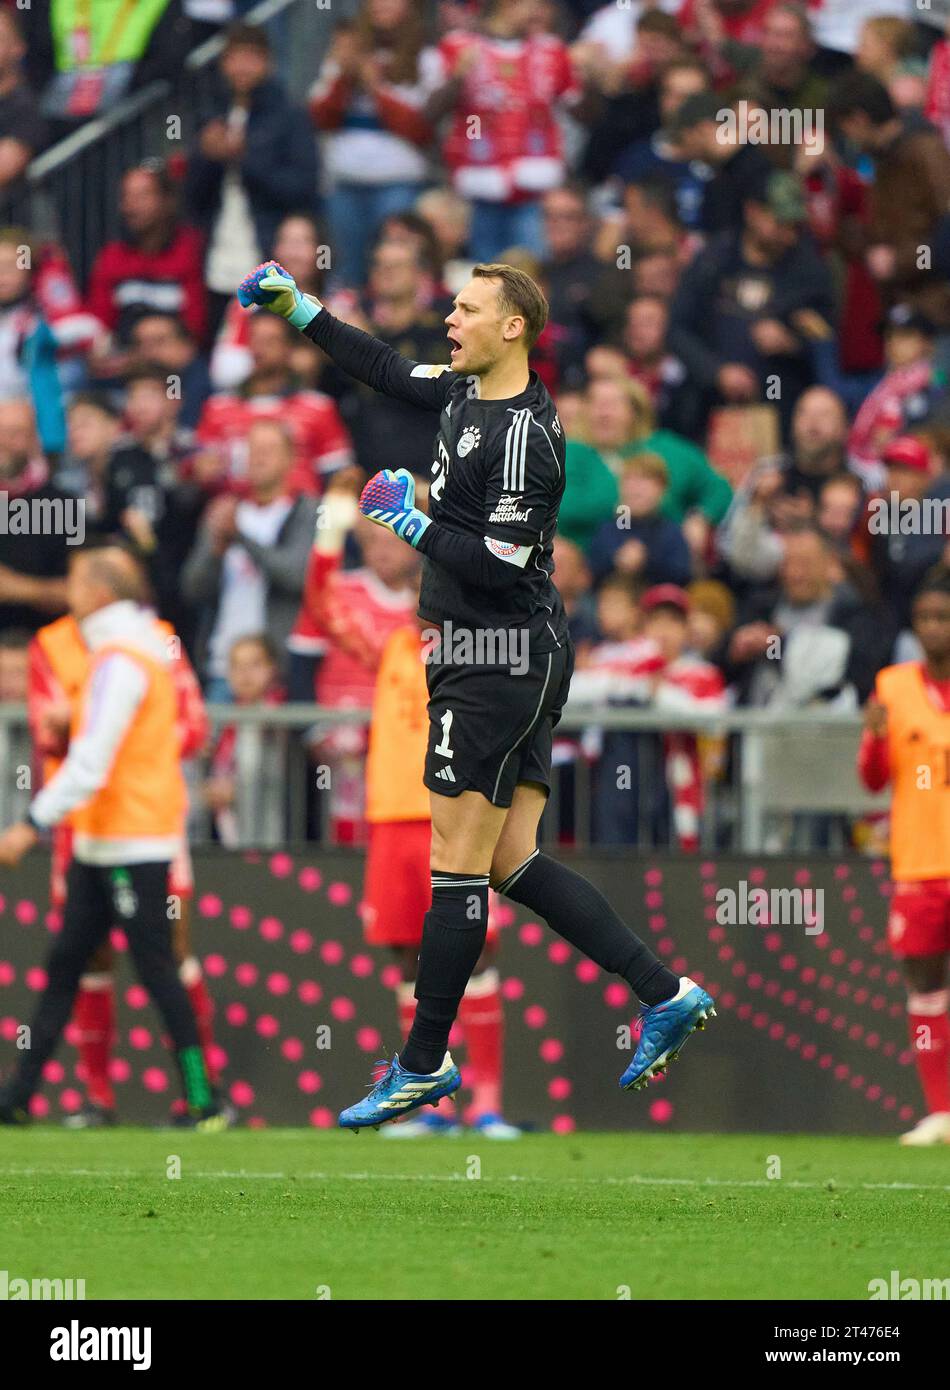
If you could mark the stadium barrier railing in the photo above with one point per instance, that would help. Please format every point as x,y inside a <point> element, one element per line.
<point>770,784</point>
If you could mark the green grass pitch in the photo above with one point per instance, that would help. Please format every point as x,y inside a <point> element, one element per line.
<point>298,1214</point>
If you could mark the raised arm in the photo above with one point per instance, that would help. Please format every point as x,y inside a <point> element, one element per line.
<point>355,352</point>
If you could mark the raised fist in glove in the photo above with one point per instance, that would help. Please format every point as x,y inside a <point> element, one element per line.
<point>273,288</point>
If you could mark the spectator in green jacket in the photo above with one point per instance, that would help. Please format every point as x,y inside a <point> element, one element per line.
<point>620,422</point>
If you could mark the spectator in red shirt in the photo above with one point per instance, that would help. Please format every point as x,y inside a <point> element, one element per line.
<point>369,97</point>
<point>272,392</point>
<point>709,23</point>
<point>510,80</point>
<point>299,247</point>
<point>155,265</point>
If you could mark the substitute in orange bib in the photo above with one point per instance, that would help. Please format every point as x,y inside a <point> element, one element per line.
<point>907,743</point>
<point>59,662</point>
<point>121,786</point>
<point>398,889</point>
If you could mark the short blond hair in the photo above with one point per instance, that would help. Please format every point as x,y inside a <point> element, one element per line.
<point>518,293</point>
<point>647,465</point>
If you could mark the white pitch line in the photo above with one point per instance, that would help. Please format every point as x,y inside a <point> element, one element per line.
<point>633,1179</point>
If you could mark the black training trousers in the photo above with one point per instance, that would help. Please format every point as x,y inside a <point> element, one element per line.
<point>134,897</point>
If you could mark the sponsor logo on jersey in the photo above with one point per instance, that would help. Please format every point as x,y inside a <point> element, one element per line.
<point>507,509</point>
<point>471,438</point>
<point>429,369</point>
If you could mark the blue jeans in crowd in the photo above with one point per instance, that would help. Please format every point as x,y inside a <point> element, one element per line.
<point>637,811</point>
<point>497,227</point>
<point>356,211</point>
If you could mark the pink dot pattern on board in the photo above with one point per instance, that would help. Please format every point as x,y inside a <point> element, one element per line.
<point>825,991</point>
<point>369,1039</point>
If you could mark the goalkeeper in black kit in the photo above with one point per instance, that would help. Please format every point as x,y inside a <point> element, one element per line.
<point>500,665</point>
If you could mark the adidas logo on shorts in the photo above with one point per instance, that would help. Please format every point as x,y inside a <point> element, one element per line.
<point>445,774</point>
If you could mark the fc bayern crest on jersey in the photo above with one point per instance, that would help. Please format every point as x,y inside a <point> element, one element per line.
<point>471,438</point>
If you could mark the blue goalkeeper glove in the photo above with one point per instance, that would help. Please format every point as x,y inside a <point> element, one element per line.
<point>389,498</point>
<point>272,287</point>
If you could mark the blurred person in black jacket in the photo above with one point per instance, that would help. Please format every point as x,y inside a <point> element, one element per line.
<point>23,132</point>
<point>755,299</point>
<point>395,313</point>
<point>32,563</point>
<point>255,162</point>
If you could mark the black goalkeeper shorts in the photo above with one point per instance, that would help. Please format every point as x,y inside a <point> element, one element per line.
<point>490,729</point>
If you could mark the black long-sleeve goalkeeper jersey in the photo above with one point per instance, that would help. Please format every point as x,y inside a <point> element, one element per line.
<point>497,483</point>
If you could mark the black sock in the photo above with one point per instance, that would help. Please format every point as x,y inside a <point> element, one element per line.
<point>453,937</point>
<point>577,911</point>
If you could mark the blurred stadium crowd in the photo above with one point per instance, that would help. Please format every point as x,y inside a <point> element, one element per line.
<point>748,342</point>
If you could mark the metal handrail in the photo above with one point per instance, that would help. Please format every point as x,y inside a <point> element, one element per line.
<point>137,103</point>
<point>774,773</point>
<point>575,716</point>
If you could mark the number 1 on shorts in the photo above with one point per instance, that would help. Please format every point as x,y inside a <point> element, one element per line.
<point>443,748</point>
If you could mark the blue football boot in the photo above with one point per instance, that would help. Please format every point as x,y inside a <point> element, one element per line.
<point>664,1030</point>
<point>397,1092</point>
